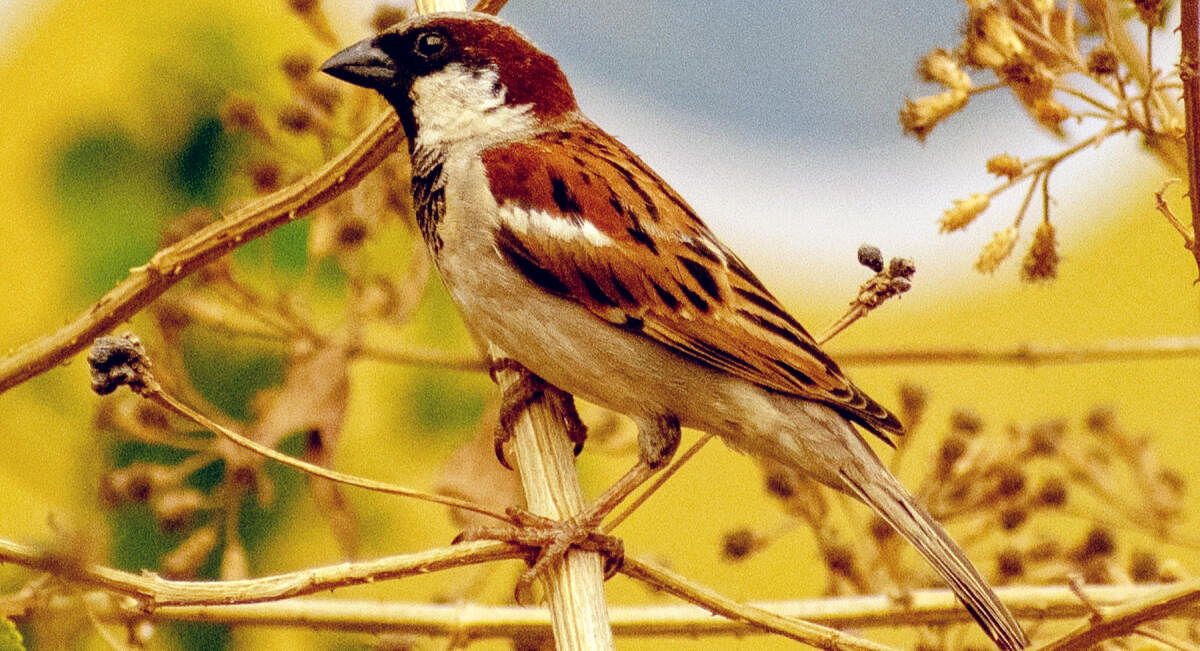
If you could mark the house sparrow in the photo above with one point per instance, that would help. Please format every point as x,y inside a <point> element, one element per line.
<point>564,249</point>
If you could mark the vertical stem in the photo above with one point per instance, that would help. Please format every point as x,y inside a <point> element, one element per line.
<point>546,462</point>
<point>1189,74</point>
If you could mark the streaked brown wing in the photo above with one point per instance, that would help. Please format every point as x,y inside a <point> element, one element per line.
<point>651,266</point>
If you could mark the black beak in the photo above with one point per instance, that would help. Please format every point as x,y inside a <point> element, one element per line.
<point>362,64</point>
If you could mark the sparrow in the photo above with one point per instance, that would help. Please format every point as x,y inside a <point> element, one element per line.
<point>565,250</point>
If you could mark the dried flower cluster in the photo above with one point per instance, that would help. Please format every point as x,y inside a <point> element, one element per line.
<point>1064,62</point>
<point>1043,502</point>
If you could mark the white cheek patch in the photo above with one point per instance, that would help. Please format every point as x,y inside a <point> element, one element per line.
<point>458,103</point>
<point>540,222</point>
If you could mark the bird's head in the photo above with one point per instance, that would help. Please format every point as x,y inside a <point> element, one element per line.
<point>458,76</point>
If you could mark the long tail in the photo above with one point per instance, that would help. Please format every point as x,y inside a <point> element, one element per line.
<point>897,507</point>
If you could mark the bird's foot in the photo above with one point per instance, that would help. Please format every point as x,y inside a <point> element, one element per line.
<point>517,397</point>
<point>549,541</point>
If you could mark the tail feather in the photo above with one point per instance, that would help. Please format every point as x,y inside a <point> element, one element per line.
<point>894,505</point>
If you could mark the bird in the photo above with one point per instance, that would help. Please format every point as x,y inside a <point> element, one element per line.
<point>564,249</point>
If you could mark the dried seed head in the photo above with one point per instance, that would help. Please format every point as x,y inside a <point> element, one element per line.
<point>1041,262</point>
<point>940,66</point>
<point>297,66</point>
<point>1009,564</point>
<point>240,114</point>
<point>997,250</point>
<point>840,560</point>
<point>134,483</point>
<point>952,450</point>
<point>1051,113</point>
<point>870,257</point>
<point>1102,419</point>
<point>739,544</point>
<point>966,421</point>
<point>991,39</point>
<point>1103,61</point>
<point>1099,542</point>
<point>1011,519</point>
<point>265,175</point>
<point>964,212</point>
<point>901,268</point>
<point>303,7</point>
<point>1046,437</point>
<point>1044,550</point>
<point>295,118</point>
<point>881,531</point>
<point>387,15</point>
<point>173,509</point>
<point>1052,493</point>
<point>1010,481</point>
<point>1149,11</point>
<point>1005,165</point>
<point>914,399</point>
<point>1143,566</point>
<point>919,117</point>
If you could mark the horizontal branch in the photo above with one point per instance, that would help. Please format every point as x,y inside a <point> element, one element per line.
<point>1117,350</point>
<point>153,592</point>
<point>473,621</point>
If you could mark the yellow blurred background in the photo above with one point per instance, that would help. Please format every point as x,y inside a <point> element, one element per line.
<point>110,114</point>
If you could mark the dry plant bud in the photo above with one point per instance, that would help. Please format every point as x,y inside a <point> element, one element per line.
<point>1098,543</point>
<point>901,268</point>
<point>914,399</point>
<point>1011,519</point>
<point>780,483</point>
<point>870,257</point>
<point>303,7</point>
<point>997,250</point>
<point>240,114</point>
<point>1103,61</point>
<point>1050,113</point>
<point>1041,262</point>
<point>1102,419</point>
<point>1149,11</point>
<point>1045,438</point>
<point>1010,481</point>
<point>295,118</point>
<point>881,531</point>
<point>840,560</point>
<point>1010,565</point>
<point>1144,566</point>
<point>266,176</point>
<point>1052,493</point>
<point>951,451</point>
<point>963,212</point>
<point>297,66</point>
<point>1006,166</point>
<point>183,561</point>
<point>940,66</point>
<point>740,543</point>
<point>966,421</point>
<point>173,509</point>
<point>134,483</point>
<point>1030,81</point>
<point>387,15</point>
<point>991,39</point>
<point>919,117</point>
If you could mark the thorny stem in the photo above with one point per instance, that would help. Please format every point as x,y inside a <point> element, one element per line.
<point>1189,74</point>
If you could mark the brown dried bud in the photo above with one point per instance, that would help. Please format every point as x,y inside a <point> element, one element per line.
<point>901,268</point>
<point>991,39</point>
<point>134,483</point>
<point>1103,61</point>
<point>1013,518</point>
<point>387,15</point>
<point>265,175</point>
<point>1010,481</point>
<point>1009,564</point>
<point>183,561</point>
<point>881,531</point>
<point>1052,493</point>
<point>914,399</point>
<point>298,66</point>
<point>1101,419</point>
<point>1150,11</point>
<point>870,257</point>
<point>997,250</point>
<point>295,118</point>
<point>840,560</point>
<point>1046,437</point>
<point>739,544</point>
<point>303,7</point>
<point>1050,113</point>
<point>1143,566</point>
<point>951,451</point>
<point>940,66</point>
<point>351,232</point>
<point>1099,542</point>
<point>964,212</point>
<point>1005,165</point>
<point>966,421</point>
<point>919,117</point>
<point>240,114</point>
<point>1044,551</point>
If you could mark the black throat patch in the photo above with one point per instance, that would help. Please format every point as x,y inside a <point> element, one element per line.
<point>429,194</point>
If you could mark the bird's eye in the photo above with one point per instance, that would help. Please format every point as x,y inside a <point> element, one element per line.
<point>430,44</point>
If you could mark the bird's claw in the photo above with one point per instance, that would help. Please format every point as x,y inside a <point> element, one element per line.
<point>518,396</point>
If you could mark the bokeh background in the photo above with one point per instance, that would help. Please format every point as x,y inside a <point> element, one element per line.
<point>777,121</point>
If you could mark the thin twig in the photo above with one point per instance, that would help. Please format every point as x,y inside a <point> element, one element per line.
<point>1189,75</point>
<point>1118,350</point>
<point>1122,620</point>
